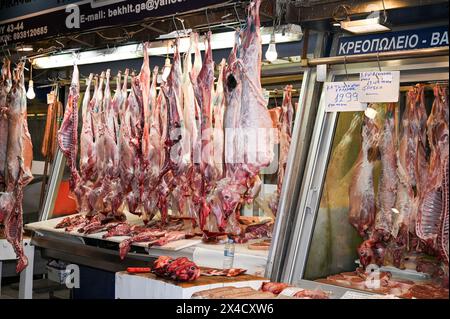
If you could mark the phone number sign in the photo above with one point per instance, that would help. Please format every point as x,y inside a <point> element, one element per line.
<point>89,15</point>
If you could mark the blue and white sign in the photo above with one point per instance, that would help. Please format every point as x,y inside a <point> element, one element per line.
<point>394,41</point>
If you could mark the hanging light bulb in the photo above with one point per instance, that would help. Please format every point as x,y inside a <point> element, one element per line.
<point>272,54</point>
<point>30,93</point>
<point>167,66</point>
<point>167,69</point>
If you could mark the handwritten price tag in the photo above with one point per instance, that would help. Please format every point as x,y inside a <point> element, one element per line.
<point>343,97</point>
<point>380,87</point>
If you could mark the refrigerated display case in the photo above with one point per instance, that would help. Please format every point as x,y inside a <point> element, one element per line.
<point>321,242</point>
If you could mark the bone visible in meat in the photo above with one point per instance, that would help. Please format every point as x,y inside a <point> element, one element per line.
<point>142,237</point>
<point>68,133</point>
<point>18,166</point>
<point>69,221</point>
<point>248,141</point>
<point>285,137</point>
<point>233,272</point>
<point>121,229</point>
<point>362,193</point>
<point>431,205</point>
<point>168,238</point>
<point>5,87</point>
<point>181,269</point>
<point>443,239</point>
<point>411,164</point>
<point>203,88</point>
<point>387,190</point>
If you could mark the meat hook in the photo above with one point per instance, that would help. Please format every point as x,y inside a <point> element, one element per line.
<point>378,60</point>
<point>207,20</point>
<point>237,16</point>
<point>345,66</point>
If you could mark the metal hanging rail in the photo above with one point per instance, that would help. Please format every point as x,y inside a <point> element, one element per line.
<point>382,56</point>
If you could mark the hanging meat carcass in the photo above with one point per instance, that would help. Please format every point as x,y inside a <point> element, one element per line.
<point>203,86</point>
<point>155,156</point>
<point>362,209</point>
<point>87,147</point>
<point>5,87</point>
<point>110,169</point>
<point>180,150</point>
<point>411,164</point>
<point>68,134</point>
<point>190,137</point>
<point>431,206</point>
<point>443,238</point>
<point>285,136</point>
<point>388,186</point>
<point>18,170</point>
<point>249,137</point>
<point>130,147</point>
<point>99,124</point>
<point>49,143</point>
<point>218,125</point>
<point>174,164</point>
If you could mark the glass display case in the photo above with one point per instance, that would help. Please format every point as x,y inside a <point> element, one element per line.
<point>323,245</point>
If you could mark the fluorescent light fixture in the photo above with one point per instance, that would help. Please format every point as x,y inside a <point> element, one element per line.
<point>175,34</point>
<point>25,48</point>
<point>219,41</point>
<point>370,25</point>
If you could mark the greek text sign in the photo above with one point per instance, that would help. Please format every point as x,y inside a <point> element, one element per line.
<point>394,41</point>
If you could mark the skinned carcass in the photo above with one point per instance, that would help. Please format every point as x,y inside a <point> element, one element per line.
<point>410,157</point>
<point>87,148</point>
<point>285,136</point>
<point>387,190</point>
<point>249,135</point>
<point>431,206</point>
<point>5,87</point>
<point>362,208</point>
<point>68,133</point>
<point>203,89</point>
<point>18,167</point>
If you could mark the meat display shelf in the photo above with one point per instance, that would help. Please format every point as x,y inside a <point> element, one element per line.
<point>49,226</point>
<point>96,252</point>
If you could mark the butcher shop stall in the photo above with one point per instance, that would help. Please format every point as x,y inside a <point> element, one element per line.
<point>219,149</point>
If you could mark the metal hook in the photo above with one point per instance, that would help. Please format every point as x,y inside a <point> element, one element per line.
<point>378,61</point>
<point>229,27</point>
<point>175,24</point>
<point>345,66</point>
<point>207,20</point>
<point>237,15</point>
<point>184,27</point>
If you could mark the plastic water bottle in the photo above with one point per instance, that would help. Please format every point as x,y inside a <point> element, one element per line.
<point>228,260</point>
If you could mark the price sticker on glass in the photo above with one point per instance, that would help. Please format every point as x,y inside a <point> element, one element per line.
<point>343,97</point>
